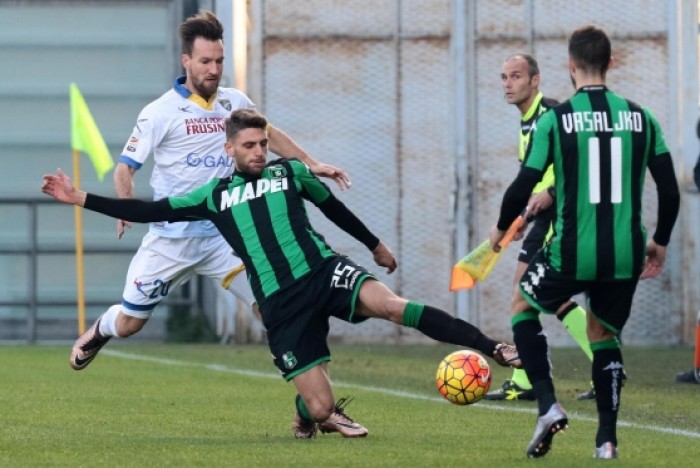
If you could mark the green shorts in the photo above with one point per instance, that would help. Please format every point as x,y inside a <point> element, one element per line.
<point>546,289</point>
<point>296,318</point>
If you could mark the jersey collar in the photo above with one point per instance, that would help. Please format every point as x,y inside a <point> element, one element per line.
<point>533,108</point>
<point>179,87</point>
<point>591,88</point>
<point>245,175</point>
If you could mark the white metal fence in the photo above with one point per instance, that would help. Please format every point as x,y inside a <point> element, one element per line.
<point>403,94</point>
<point>370,86</point>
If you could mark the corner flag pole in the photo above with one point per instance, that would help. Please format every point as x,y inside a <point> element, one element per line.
<point>79,264</point>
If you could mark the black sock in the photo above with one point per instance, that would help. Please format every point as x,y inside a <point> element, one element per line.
<point>534,353</point>
<point>566,311</point>
<point>608,374</point>
<point>441,326</point>
<point>544,391</point>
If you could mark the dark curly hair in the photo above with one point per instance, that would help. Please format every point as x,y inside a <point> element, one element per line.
<point>204,24</point>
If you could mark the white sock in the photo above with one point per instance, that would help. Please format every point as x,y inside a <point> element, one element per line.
<point>108,322</point>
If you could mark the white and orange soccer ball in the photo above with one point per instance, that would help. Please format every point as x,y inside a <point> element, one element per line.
<point>463,377</point>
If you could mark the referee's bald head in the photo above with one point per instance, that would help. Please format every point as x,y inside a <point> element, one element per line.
<point>532,67</point>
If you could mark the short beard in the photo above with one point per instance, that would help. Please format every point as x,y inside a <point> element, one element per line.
<point>203,92</point>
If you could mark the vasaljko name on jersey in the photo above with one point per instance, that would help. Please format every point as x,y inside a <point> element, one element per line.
<point>597,121</point>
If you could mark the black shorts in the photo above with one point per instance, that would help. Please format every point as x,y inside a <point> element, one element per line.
<point>535,238</point>
<point>296,318</point>
<point>547,289</point>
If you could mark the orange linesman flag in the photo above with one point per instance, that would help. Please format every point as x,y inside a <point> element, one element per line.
<point>478,263</point>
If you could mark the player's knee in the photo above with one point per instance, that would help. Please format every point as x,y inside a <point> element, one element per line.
<point>392,309</point>
<point>597,332</point>
<point>518,303</point>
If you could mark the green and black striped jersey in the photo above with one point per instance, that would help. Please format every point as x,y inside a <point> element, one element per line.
<point>600,145</point>
<point>262,217</point>
<point>264,220</point>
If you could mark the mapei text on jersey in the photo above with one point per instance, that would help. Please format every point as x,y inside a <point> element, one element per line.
<point>251,190</point>
<point>597,121</point>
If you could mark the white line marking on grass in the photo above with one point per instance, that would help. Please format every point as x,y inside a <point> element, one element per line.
<point>388,391</point>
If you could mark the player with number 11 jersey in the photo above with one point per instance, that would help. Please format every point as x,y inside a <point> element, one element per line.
<point>598,193</point>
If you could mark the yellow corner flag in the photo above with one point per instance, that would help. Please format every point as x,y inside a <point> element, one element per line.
<point>85,136</point>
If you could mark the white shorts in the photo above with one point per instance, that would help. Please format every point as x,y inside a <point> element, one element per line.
<point>163,263</point>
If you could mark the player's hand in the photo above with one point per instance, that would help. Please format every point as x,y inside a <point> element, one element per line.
<point>60,187</point>
<point>540,201</point>
<point>495,237</point>
<point>338,175</point>
<point>384,257</point>
<point>122,226</point>
<point>654,264</point>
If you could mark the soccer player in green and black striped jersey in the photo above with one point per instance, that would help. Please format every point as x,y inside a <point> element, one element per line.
<point>298,280</point>
<point>520,76</point>
<point>600,145</point>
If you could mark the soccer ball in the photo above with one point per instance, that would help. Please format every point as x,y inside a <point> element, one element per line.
<point>463,377</point>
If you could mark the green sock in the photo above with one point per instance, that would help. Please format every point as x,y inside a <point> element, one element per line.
<point>520,379</point>
<point>574,321</point>
<point>302,409</point>
<point>412,314</point>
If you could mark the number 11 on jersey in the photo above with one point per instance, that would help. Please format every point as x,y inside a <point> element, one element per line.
<point>615,170</point>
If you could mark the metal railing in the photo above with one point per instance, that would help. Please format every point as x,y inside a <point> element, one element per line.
<point>33,250</point>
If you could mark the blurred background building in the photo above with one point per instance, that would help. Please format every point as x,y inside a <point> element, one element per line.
<point>403,94</point>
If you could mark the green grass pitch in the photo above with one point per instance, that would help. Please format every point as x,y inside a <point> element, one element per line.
<point>211,405</point>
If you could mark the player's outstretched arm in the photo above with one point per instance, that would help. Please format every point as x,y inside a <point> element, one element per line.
<point>60,187</point>
<point>283,145</point>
